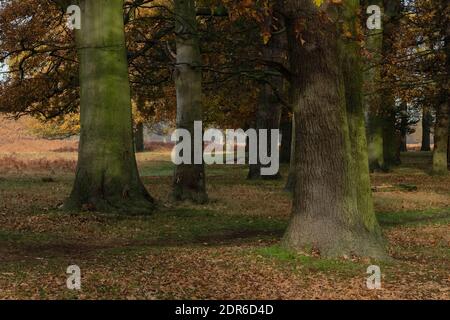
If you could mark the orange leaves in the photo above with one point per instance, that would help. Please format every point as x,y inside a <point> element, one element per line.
<point>266,35</point>
<point>318,3</point>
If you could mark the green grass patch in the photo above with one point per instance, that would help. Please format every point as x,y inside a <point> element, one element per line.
<point>199,225</point>
<point>156,168</point>
<point>431,216</point>
<point>303,262</point>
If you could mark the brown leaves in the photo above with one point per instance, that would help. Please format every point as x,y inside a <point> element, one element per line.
<point>154,258</point>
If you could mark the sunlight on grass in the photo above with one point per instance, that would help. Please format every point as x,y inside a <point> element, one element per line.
<point>310,263</point>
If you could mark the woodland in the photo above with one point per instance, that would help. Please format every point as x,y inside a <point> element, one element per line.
<point>347,88</point>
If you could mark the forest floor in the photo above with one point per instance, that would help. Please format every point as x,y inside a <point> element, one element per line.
<point>226,249</point>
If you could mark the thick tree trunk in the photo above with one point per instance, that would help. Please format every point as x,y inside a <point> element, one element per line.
<point>139,137</point>
<point>441,139</point>
<point>107,178</point>
<point>426,130</point>
<point>352,70</point>
<point>326,214</point>
<point>189,179</point>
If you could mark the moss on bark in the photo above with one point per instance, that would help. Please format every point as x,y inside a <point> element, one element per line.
<point>107,177</point>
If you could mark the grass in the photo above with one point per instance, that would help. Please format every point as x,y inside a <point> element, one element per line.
<point>310,263</point>
<point>414,218</point>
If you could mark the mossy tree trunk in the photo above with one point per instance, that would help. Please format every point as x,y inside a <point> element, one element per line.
<point>372,101</point>
<point>352,70</point>
<point>329,214</point>
<point>189,179</point>
<point>107,177</point>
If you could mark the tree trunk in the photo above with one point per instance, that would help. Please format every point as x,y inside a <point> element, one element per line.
<point>286,137</point>
<point>268,117</point>
<point>441,132</point>
<point>326,211</point>
<point>139,137</point>
<point>269,109</point>
<point>404,127</point>
<point>352,70</point>
<point>107,177</point>
<point>426,130</point>
<point>375,143</point>
<point>391,139</point>
<point>372,101</point>
<point>440,140</point>
<point>189,179</point>
<point>290,183</point>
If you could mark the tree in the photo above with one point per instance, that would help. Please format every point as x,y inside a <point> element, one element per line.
<point>441,131</point>
<point>372,78</point>
<point>272,89</point>
<point>286,134</point>
<point>391,138</point>
<point>403,127</point>
<point>292,176</point>
<point>107,178</point>
<point>329,213</point>
<point>426,126</point>
<point>419,69</point>
<point>189,179</point>
<point>139,137</point>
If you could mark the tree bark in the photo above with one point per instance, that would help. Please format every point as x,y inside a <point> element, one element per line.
<point>403,127</point>
<point>292,176</point>
<point>107,177</point>
<point>189,179</point>
<point>372,98</point>
<point>426,130</point>
<point>269,109</point>
<point>441,131</point>
<point>286,137</point>
<point>327,215</point>
<point>440,140</point>
<point>139,137</point>
<point>352,70</point>
<point>391,139</point>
